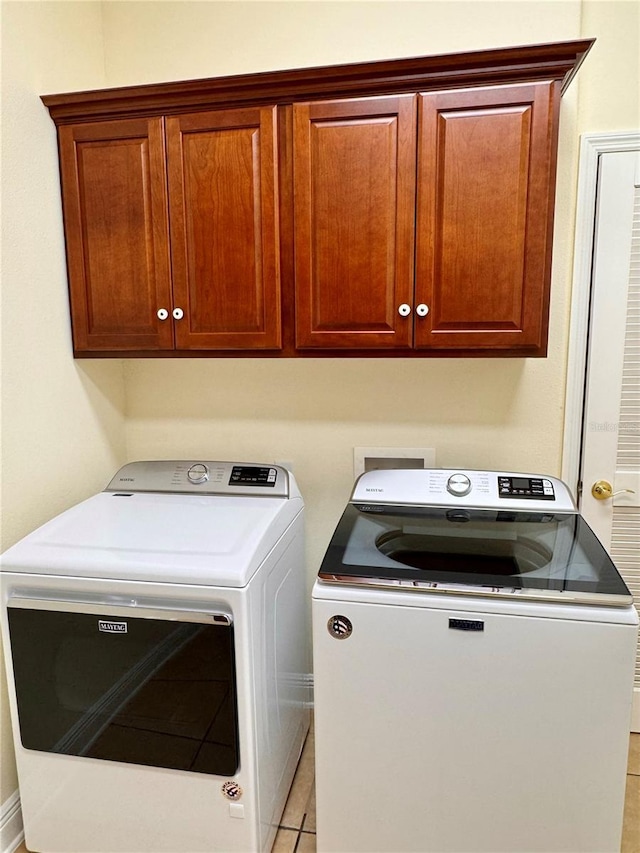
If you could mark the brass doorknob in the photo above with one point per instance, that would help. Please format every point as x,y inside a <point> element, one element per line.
<point>602,491</point>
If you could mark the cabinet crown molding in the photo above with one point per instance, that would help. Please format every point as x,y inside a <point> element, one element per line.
<point>557,61</point>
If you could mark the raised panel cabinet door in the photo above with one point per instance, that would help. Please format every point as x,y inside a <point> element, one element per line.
<point>223,200</point>
<point>115,214</point>
<point>354,215</point>
<point>486,179</point>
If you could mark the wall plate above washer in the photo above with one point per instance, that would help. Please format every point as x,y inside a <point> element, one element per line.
<point>376,458</point>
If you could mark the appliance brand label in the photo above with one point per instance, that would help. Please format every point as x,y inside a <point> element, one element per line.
<point>466,624</point>
<point>112,627</point>
<point>340,627</point>
<point>232,790</point>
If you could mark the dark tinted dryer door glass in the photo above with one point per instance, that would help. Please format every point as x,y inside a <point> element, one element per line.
<point>161,694</point>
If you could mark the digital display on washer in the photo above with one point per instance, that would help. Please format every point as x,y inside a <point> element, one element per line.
<point>526,487</point>
<point>245,475</point>
<point>500,549</point>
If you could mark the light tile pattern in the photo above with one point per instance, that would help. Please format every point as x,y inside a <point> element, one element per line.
<point>298,825</point>
<point>631,830</point>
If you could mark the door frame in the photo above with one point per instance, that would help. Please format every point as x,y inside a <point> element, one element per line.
<point>592,145</point>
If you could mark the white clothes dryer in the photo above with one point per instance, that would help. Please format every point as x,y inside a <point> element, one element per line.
<point>474,650</point>
<point>156,649</point>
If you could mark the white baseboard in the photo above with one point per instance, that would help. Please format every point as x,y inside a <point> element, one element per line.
<point>11,831</point>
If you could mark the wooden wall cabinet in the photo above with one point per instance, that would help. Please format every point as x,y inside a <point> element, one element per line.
<point>117,231</point>
<point>172,232</point>
<point>486,181</point>
<point>399,208</point>
<point>479,218</point>
<point>354,205</point>
<point>223,202</point>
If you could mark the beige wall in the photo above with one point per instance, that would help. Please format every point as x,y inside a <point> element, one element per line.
<point>77,420</point>
<point>62,422</point>
<point>609,80</point>
<point>150,42</point>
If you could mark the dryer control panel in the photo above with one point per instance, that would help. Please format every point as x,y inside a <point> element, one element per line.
<point>463,488</point>
<point>203,478</point>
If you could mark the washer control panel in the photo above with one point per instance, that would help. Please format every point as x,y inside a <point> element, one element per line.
<point>478,489</point>
<point>538,488</point>
<point>204,478</point>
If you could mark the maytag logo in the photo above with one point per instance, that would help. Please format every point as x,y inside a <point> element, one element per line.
<point>112,627</point>
<point>373,490</point>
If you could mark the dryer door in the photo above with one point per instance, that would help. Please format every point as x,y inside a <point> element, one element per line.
<point>125,684</point>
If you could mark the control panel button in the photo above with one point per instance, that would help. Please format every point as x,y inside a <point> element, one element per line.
<point>459,485</point>
<point>198,473</point>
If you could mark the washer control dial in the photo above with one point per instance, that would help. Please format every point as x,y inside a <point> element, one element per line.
<point>198,473</point>
<point>459,485</point>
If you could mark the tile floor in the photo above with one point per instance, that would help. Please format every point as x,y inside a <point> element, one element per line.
<point>631,830</point>
<point>298,824</point>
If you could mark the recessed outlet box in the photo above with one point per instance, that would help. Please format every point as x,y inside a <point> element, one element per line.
<point>375,458</point>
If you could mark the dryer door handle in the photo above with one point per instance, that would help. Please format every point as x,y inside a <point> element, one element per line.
<point>133,608</point>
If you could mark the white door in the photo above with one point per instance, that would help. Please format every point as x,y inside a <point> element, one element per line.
<point>608,469</point>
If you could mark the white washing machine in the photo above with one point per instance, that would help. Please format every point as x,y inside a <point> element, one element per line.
<point>155,641</point>
<point>474,652</point>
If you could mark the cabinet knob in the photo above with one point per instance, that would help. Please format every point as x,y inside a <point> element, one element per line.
<point>422,310</point>
<point>177,313</point>
<point>162,313</point>
<point>404,310</point>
